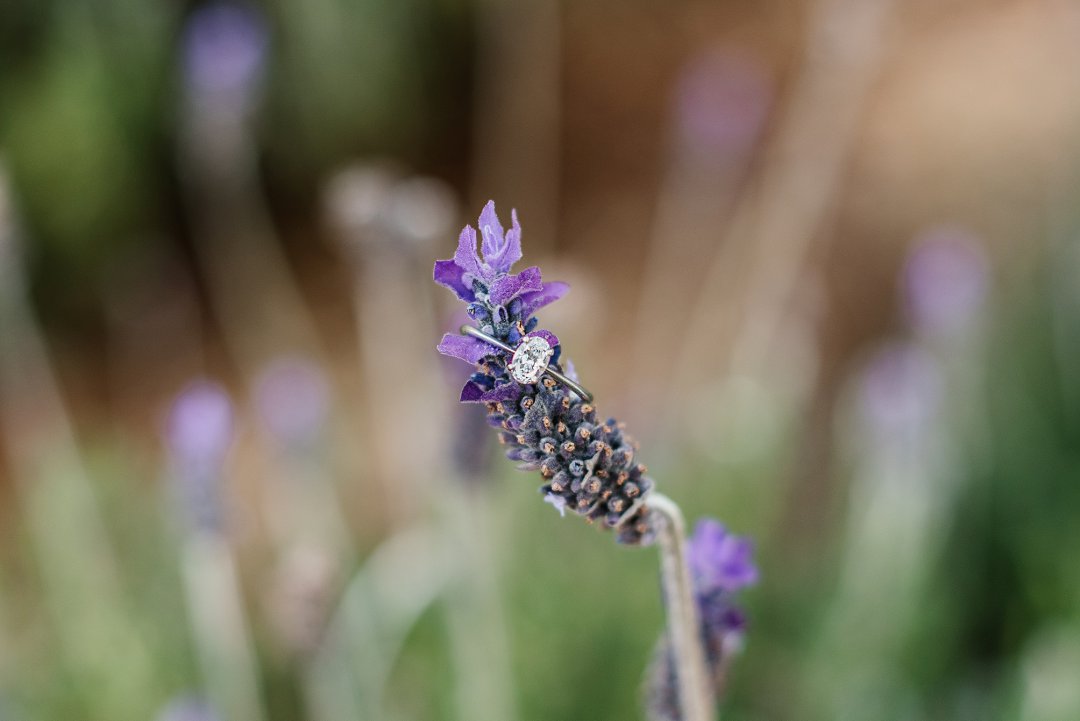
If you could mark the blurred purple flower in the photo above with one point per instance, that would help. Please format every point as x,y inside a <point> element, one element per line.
<point>293,398</point>
<point>900,390</point>
<point>224,48</point>
<point>722,101</point>
<point>187,708</point>
<point>720,561</point>
<point>720,565</point>
<point>198,435</point>
<point>199,429</point>
<point>945,280</point>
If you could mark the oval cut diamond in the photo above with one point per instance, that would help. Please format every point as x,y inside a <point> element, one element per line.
<point>530,360</point>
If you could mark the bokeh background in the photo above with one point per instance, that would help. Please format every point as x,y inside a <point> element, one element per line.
<point>825,262</point>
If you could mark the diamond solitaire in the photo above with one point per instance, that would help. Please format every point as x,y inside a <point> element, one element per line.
<point>530,360</point>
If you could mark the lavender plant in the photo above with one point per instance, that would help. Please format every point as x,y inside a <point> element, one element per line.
<point>589,466</point>
<point>721,564</point>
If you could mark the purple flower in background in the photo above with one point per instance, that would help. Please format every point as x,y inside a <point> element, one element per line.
<point>187,708</point>
<point>293,399</point>
<point>224,48</point>
<point>199,429</point>
<point>720,561</point>
<point>901,390</point>
<point>721,564</point>
<point>722,102</point>
<point>588,465</point>
<point>945,280</point>
<point>198,434</point>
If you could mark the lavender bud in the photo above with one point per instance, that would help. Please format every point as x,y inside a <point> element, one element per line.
<point>224,46</point>
<point>198,435</point>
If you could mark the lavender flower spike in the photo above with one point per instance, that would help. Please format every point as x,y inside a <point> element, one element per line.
<point>588,465</point>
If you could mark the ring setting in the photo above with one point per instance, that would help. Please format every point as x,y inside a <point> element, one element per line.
<point>530,361</point>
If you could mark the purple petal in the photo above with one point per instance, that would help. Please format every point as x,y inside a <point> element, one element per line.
<point>708,535</point>
<point>449,274</point>
<point>471,392</point>
<point>507,392</point>
<point>465,256</point>
<point>500,252</point>
<point>492,241</point>
<point>468,349</point>
<point>508,287</point>
<point>551,338</point>
<point>537,299</point>
<point>720,560</point>
<point>737,569</point>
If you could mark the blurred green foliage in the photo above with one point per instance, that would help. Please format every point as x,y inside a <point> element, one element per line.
<point>91,98</point>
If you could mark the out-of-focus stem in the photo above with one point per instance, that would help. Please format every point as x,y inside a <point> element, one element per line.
<point>220,629</point>
<point>383,601</point>
<point>474,614</point>
<point>684,627</point>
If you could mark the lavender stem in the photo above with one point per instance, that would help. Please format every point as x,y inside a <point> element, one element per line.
<point>695,698</point>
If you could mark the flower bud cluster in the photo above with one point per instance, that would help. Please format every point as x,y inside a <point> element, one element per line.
<point>588,465</point>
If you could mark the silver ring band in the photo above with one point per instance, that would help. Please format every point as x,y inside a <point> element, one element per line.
<point>549,371</point>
